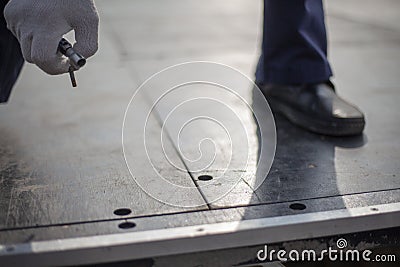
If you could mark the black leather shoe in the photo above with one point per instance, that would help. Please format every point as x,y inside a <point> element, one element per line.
<point>315,107</point>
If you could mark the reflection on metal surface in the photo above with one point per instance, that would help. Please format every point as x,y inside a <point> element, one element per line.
<point>220,125</point>
<point>143,244</point>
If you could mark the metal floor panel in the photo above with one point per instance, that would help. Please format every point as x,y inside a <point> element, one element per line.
<point>62,167</point>
<point>192,239</point>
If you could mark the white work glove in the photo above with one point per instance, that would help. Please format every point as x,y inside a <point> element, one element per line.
<point>39,26</point>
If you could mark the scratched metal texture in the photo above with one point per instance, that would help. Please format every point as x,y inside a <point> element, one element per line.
<point>62,170</point>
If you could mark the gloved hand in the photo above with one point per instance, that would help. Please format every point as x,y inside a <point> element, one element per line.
<point>39,26</point>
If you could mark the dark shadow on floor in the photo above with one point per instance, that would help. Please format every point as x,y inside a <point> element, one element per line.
<point>303,168</point>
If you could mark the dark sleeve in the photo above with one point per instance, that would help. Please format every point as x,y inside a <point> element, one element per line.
<point>11,60</point>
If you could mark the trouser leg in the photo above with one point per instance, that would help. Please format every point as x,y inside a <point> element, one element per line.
<point>294,47</point>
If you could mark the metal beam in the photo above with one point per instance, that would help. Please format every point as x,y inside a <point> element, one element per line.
<point>144,244</point>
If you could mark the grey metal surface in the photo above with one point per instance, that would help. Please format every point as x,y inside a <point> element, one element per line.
<point>61,152</point>
<point>62,171</point>
<point>193,218</point>
<point>180,240</point>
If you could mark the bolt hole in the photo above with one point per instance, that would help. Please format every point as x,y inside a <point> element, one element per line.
<point>122,212</point>
<point>9,249</point>
<point>127,225</point>
<point>200,230</point>
<point>205,177</point>
<point>297,206</point>
<point>374,209</point>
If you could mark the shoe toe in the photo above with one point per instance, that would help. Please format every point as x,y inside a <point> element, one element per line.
<point>344,110</point>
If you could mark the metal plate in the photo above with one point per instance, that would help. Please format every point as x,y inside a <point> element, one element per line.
<point>62,170</point>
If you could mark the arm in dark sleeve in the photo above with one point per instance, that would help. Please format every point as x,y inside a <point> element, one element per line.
<point>11,60</point>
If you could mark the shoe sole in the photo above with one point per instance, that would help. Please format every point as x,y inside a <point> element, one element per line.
<point>338,127</point>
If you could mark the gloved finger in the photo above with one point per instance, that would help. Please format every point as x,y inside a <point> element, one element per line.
<point>86,36</point>
<point>44,54</point>
<point>26,44</point>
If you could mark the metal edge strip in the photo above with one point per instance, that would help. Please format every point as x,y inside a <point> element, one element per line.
<point>163,242</point>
